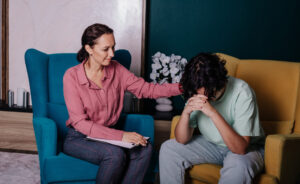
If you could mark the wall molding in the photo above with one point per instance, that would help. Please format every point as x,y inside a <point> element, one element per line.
<point>4,56</point>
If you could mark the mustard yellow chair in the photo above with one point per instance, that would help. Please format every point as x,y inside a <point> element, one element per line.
<point>276,84</point>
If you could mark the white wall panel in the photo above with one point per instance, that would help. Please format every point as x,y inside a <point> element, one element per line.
<point>55,26</point>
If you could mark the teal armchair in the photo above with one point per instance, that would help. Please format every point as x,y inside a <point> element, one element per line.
<point>45,72</point>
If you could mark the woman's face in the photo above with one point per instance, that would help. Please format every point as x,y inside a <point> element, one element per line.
<point>103,51</point>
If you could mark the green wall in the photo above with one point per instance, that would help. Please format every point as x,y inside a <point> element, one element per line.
<point>262,29</point>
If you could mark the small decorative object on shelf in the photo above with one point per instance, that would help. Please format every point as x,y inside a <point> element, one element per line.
<point>166,69</point>
<point>164,104</point>
<point>22,97</point>
<point>10,98</point>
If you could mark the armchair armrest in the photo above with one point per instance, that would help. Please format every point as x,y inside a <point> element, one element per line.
<point>142,124</point>
<point>282,157</point>
<point>46,137</point>
<point>175,120</point>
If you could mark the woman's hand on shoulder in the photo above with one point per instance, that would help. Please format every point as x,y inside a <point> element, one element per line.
<point>135,138</point>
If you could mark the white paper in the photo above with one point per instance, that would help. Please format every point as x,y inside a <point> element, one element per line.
<point>117,143</point>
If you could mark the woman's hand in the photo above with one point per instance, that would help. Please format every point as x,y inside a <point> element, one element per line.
<point>135,138</point>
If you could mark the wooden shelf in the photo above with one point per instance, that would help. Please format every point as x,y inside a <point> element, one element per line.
<point>16,131</point>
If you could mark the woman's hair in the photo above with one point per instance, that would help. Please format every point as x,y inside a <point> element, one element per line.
<point>204,70</point>
<point>89,36</point>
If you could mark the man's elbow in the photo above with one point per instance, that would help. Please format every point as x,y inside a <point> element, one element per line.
<point>240,151</point>
<point>181,140</point>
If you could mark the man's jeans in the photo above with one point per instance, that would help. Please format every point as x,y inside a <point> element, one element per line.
<point>174,158</point>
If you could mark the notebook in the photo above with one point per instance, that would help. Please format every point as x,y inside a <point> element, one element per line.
<point>117,143</point>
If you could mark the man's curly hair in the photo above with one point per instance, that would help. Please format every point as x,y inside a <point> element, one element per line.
<point>204,70</point>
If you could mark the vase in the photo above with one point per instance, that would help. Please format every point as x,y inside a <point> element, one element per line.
<point>164,105</point>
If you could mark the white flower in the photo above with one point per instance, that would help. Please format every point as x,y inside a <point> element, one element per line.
<point>166,73</point>
<point>183,61</point>
<point>174,70</point>
<point>177,57</point>
<point>156,66</point>
<point>153,76</point>
<point>164,80</point>
<point>173,65</point>
<point>157,55</point>
<point>176,79</point>
<point>172,57</point>
<point>155,60</point>
<point>165,59</point>
<point>167,69</point>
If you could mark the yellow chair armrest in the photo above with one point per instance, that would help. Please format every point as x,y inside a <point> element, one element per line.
<point>282,157</point>
<point>173,125</point>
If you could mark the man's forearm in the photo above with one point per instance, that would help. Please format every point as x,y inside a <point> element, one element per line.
<point>235,142</point>
<point>183,132</point>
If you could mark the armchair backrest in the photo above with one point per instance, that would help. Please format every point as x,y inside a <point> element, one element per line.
<point>276,84</point>
<point>45,72</point>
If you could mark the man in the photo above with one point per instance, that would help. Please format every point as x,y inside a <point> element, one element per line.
<point>225,111</point>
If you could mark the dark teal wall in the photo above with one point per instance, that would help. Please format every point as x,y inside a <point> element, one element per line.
<point>262,29</point>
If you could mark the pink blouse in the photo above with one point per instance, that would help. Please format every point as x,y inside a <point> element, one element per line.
<point>93,110</point>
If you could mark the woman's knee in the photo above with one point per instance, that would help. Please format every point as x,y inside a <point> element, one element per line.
<point>147,150</point>
<point>114,155</point>
<point>141,152</point>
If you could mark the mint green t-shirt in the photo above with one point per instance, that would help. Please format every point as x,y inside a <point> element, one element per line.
<point>238,107</point>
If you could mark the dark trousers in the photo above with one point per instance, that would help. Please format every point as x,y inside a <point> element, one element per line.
<point>116,164</point>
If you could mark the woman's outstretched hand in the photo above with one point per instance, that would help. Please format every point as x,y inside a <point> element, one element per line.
<point>135,138</point>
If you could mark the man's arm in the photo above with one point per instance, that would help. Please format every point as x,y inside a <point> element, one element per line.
<point>235,142</point>
<point>183,132</point>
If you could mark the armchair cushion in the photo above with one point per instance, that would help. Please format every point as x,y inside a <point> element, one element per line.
<point>58,63</point>
<point>210,173</point>
<point>207,173</point>
<point>280,127</point>
<point>271,80</point>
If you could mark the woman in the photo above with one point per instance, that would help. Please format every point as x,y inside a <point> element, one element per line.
<point>94,92</point>
<point>225,111</point>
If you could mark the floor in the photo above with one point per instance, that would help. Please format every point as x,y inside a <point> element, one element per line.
<point>18,168</point>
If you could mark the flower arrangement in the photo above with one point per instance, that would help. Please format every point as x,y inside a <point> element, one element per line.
<point>167,69</point>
